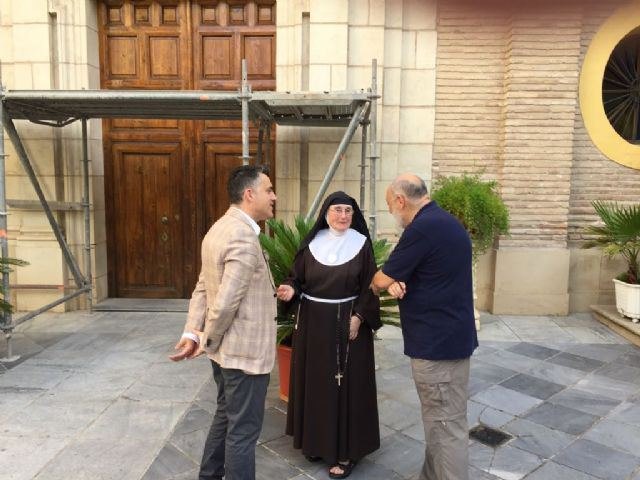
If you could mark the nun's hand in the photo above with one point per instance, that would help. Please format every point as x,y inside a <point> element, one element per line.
<point>354,327</point>
<point>285,292</point>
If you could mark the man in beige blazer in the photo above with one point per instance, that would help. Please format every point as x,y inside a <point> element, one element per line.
<point>232,319</point>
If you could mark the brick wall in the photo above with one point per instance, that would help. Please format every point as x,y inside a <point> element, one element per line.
<point>507,103</point>
<point>469,90</point>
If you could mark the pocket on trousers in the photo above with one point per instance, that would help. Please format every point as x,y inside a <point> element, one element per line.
<point>437,393</point>
<point>434,389</point>
<point>436,398</point>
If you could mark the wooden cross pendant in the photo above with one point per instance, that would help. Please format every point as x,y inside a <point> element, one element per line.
<point>338,376</point>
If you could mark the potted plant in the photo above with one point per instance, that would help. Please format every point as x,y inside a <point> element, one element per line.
<point>281,248</point>
<point>620,235</point>
<point>480,209</point>
<point>5,267</point>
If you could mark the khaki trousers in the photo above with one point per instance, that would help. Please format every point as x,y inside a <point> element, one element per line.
<point>442,387</point>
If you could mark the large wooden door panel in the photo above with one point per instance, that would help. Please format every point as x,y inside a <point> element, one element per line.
<point>223,34</point>
<point>219,160</point>
<point>145,44</point>
<point>170,169</point>
<point>148,233</point>
<point>260,52</point>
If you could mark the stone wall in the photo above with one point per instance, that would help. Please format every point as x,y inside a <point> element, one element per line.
<point>52,45</point>
<point>329,45</point>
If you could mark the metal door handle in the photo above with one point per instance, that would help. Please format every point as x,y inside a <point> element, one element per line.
<point>164,220</point>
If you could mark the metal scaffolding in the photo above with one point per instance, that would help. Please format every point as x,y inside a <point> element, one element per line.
<point>58,108</point>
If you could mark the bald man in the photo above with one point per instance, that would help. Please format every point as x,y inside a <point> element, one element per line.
<point>429,272</point>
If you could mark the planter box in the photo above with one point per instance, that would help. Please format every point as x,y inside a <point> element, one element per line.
<point>628,299</point>
<point>284,365</point>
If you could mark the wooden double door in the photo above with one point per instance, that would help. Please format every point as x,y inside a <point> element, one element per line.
<point>165,180</point>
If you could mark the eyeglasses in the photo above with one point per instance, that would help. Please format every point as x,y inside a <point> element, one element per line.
<point>340,210</point>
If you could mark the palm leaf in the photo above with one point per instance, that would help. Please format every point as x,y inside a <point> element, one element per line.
<point>5,267</point>
<point>620,235</point>
<point>281,248</point>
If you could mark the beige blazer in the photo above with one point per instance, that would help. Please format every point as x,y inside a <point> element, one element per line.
<point>233,301</point>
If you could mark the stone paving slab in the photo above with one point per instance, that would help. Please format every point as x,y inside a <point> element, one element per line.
<point>627,413</point>
<point>621,372</point>
<point>545,335</point>
<point>565,419</point>
<point>585,401</point>
<point>402,454</point>
<point>533,351</point>
<point>491,373</point>
<point>532,386</point>
<point>14,451</point>
<point>54,418</point>
<point>622,437</point>
<point>556,373</point>
<point>397,415</point>
<point>598,351</point>
<point>632,359</point>
<point>552,470</point>
<point>577,362</point>
<point>607,387</point>
<point>511,463</point>
<point>478,474</point>
<point>506,400</point>
<point>171,463</point>
<point>514,361</point>
<point>537,439</point>
<point>94,394</point>
<point>478,414</point>
<point>14,399</point>
<point>91,458</point>
<point>598,460</point>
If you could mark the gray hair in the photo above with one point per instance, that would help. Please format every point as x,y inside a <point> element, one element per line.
<point>414,189</point>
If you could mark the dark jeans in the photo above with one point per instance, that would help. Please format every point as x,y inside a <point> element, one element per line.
<point>230,449</point>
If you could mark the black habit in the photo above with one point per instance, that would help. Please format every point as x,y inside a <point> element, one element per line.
<point>332,410</point>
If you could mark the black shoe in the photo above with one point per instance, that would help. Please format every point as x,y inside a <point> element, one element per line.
<point>312,459</point>
<point>346,469</point>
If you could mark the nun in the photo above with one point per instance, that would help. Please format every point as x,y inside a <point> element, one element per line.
<point>332,412</point>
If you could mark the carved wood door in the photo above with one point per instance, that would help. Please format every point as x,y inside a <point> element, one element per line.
<point>165,179</point>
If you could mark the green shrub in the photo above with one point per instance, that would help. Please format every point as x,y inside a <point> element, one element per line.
<point>478,206</point>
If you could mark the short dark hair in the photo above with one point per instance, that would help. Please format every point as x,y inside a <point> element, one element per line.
<point>241,178</point>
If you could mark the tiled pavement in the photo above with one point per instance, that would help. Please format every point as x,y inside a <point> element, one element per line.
<point>94,397</point>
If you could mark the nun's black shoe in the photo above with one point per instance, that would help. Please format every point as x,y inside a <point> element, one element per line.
<point>312,459</point>
<point>345,467</point>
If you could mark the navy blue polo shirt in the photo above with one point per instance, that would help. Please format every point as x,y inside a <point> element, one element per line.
<point>433,258</point>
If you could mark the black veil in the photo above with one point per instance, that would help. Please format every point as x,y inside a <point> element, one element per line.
<point>358,223</point>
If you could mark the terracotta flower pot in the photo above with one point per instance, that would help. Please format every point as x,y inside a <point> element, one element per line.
<point>284,366</point>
